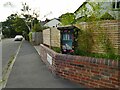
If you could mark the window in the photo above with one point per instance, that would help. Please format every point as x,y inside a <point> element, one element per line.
<point>116,4</point>
<point>66,36</point>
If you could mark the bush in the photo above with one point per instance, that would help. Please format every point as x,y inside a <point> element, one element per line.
<point>56,49</point>
<point>97,55</point>
<point>94,37</point>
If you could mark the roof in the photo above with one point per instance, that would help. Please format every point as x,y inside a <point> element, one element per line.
<point>53,22</point>
<point>42,23</point>
<point>69,27</point>
<point>81,6</point>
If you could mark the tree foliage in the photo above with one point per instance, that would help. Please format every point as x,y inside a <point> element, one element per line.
<point>8,27</point>
<point>19,25</point>
<point>37,27</point>
<point>29,19</point>
<point>67,19</point>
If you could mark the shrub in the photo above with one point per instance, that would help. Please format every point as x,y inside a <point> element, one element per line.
<point>97,55</point>
<point>56,49</point>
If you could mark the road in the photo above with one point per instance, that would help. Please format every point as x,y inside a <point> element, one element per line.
<point>9,49</point>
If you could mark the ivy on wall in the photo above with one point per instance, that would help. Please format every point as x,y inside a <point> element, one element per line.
<point>67,18</point>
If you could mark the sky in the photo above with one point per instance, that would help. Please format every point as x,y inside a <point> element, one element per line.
<point>50,8</point>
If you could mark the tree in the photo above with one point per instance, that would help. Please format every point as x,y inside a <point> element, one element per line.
<point>67,19</point>
<point>21,23</point>
<point>37,28</point>
<point>20,26</point>
<point>8,28</point>
<point>28,18</point>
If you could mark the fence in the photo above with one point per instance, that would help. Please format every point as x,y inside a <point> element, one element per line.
<point>36,38</point>
<point>106,28</point>
<point>51,37</point>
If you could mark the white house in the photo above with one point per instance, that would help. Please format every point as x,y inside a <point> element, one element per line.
<point>53,23</point>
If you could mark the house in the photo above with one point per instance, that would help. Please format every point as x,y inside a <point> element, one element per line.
<point>44,22</point>
<point>53,23</point>
<point>90,7</point>
<point>107,16</point>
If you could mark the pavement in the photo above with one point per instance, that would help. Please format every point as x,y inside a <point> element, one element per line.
<point>30,72</point>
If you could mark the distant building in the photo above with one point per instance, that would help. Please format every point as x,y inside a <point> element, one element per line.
<point>53,23</point>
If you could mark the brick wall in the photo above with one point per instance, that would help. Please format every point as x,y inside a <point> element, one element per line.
<point>91,72</point>
<point>51,37</point>
<point>109,27</point>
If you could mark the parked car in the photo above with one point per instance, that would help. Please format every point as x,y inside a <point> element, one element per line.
<point>18,38</point>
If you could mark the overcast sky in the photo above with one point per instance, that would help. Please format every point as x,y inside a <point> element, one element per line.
<point>51,8</point>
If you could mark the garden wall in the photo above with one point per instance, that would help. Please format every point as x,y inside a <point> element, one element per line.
<point>104,30</point>
<point>51,37</point>
<point>91,72</point>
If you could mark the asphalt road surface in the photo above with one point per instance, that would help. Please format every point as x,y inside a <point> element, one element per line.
<point>9,49</point>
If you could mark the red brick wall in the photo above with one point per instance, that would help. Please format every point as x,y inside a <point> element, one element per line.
<point>91,72</point>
